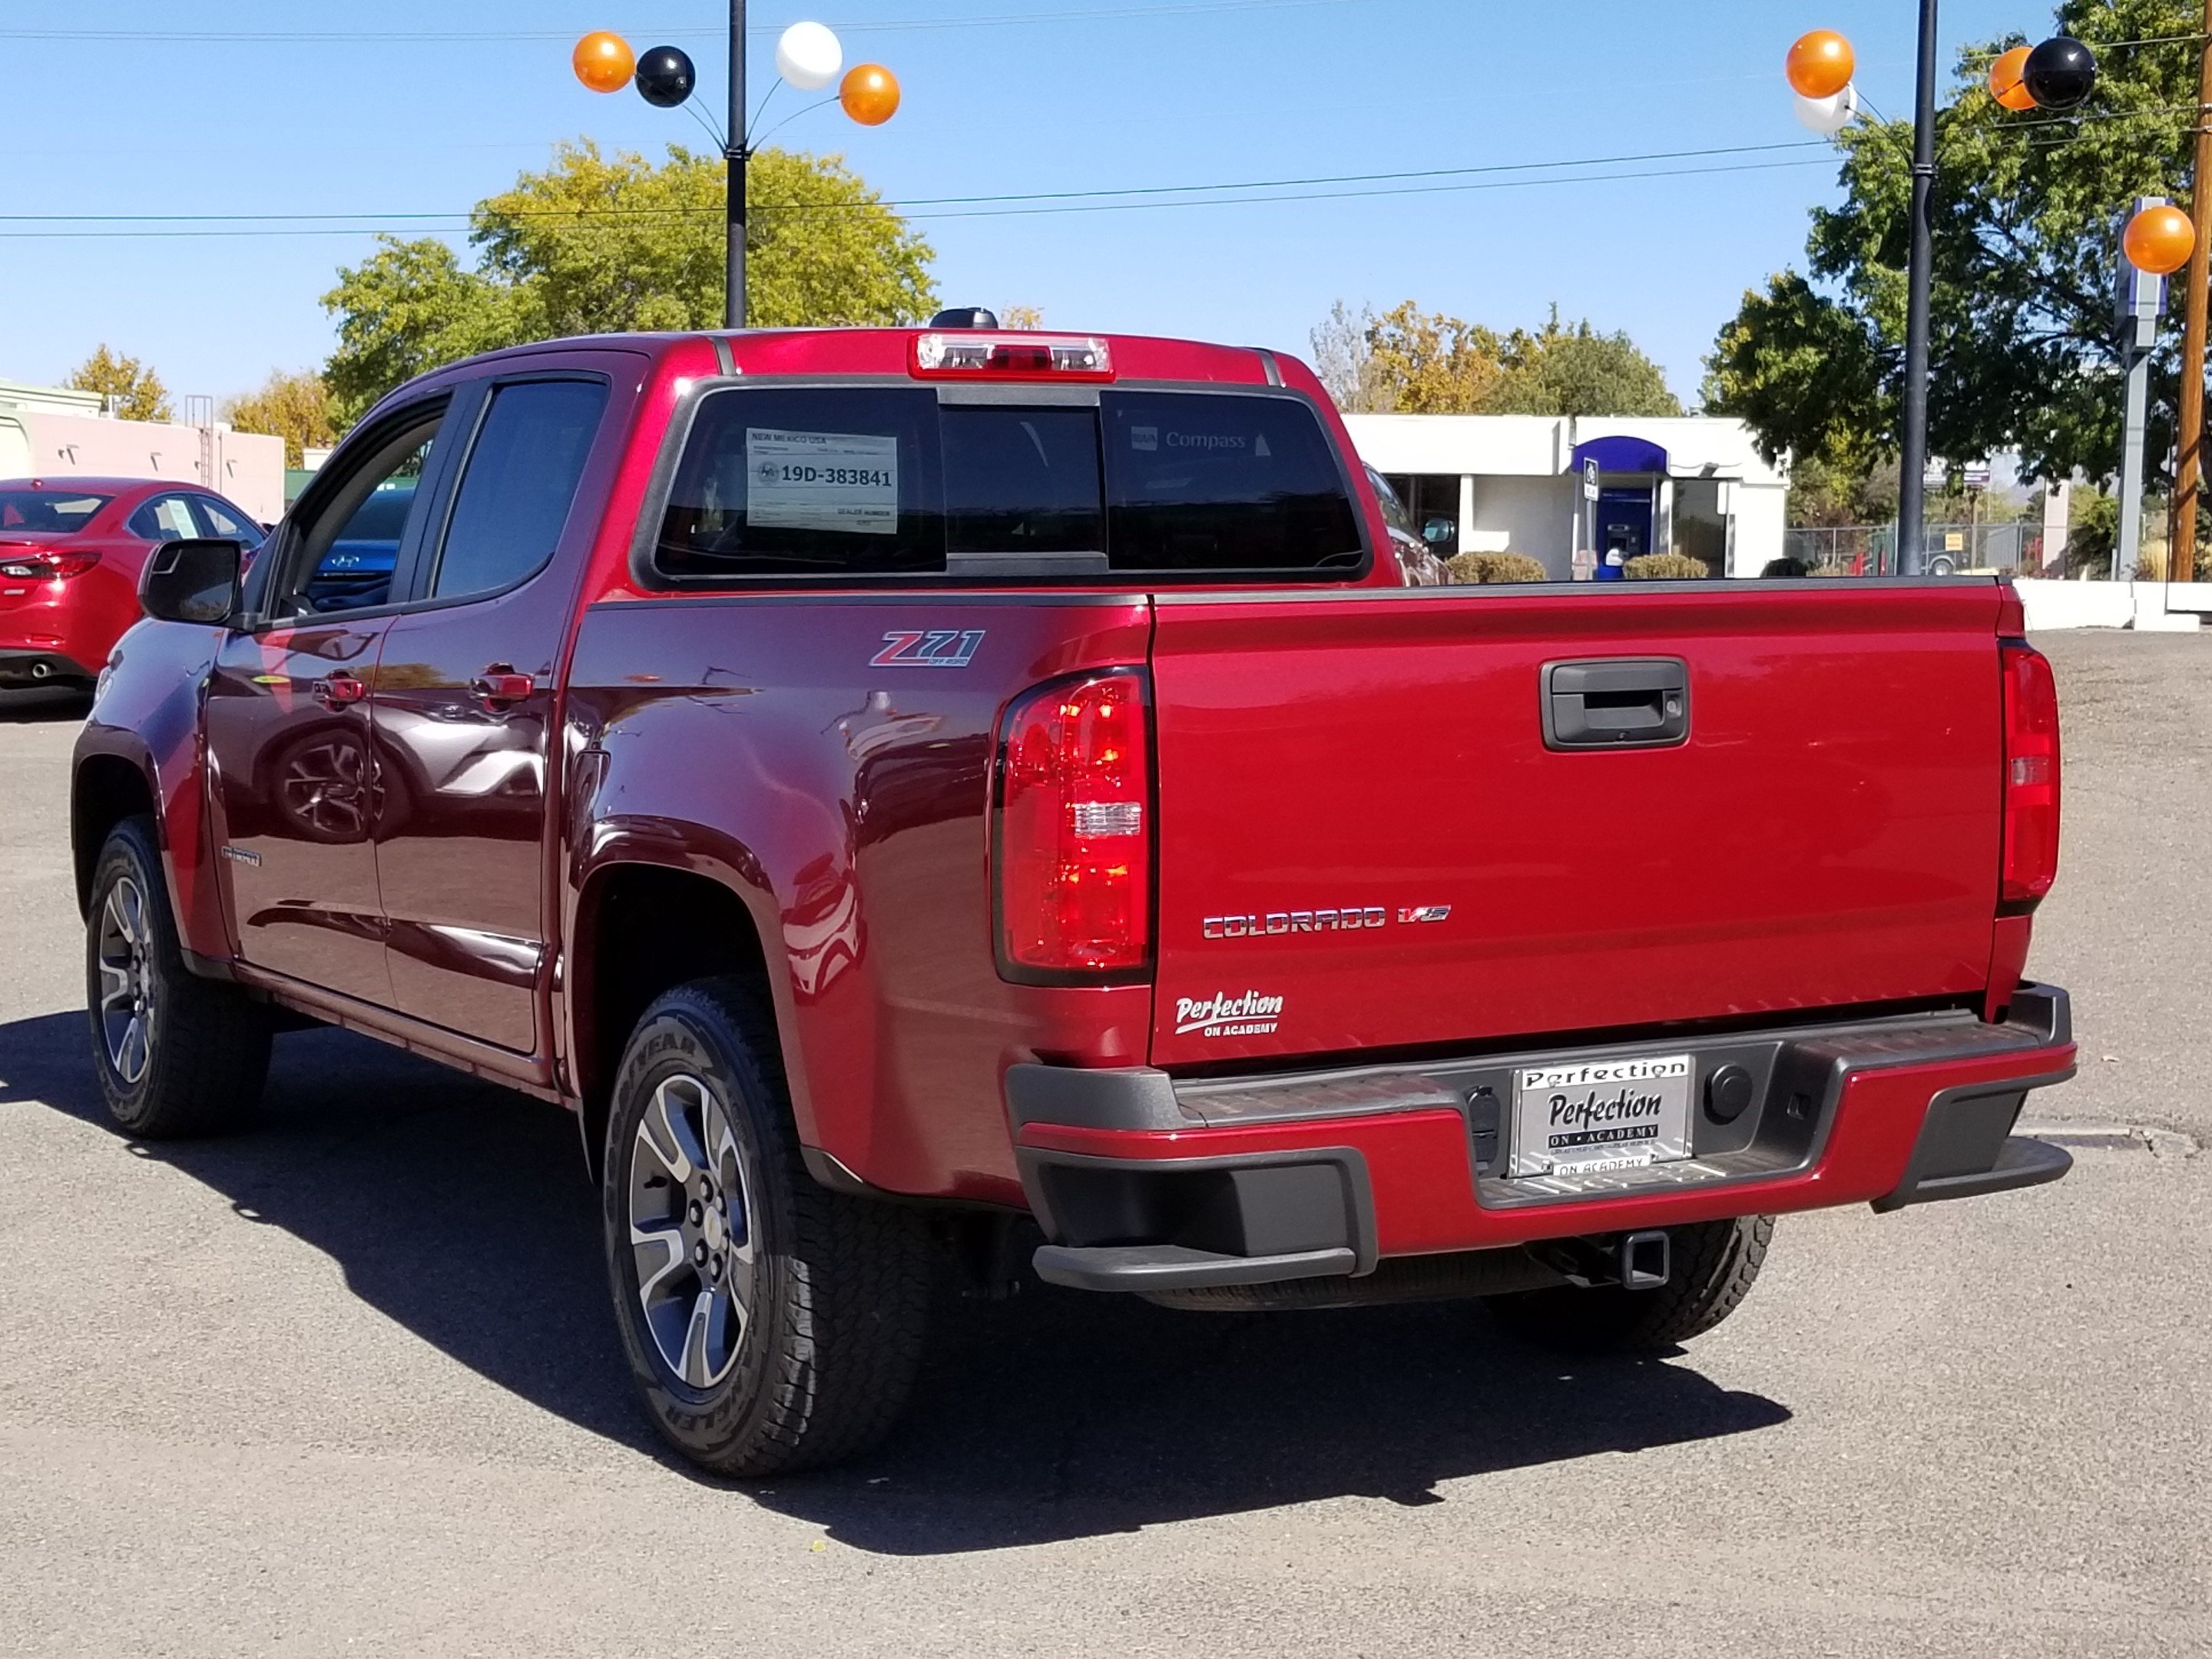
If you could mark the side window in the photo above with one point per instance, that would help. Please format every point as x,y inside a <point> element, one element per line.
<point>220,518</point>
<point>519,484</point>
<point>165,518</point>
<point>806,481</point>
<point>349,550</point>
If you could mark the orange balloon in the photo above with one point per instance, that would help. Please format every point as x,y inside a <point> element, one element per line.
<point>1820,64</point>
<point>870,93</point>
<point>2005,83</point>
<point>2160,240</point>
<point>603,61</point>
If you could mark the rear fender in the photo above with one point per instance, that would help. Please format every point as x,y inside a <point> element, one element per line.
<point>612,844</point>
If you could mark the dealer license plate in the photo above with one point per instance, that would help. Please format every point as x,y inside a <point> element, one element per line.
<point>1593,1115</point>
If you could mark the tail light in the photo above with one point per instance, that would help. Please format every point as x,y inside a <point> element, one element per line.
<point>1017,355</point>
<point>1074,840</point>
<point>2031,776</point>
<point>46,564</point>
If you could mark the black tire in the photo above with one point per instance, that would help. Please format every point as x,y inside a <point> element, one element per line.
<point>1715,1264</point>
<point>201,1053</point>
<point>836,1290</point>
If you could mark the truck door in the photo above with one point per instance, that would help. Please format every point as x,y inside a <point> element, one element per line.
<point>465,703</point>
<point>297,787</point>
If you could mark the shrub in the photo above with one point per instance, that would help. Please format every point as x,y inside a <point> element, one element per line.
<point>1666,567</point>
<point>1494,567</point>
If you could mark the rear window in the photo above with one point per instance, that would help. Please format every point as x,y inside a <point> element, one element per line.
<point>55,510</point>
<point>869,482</point>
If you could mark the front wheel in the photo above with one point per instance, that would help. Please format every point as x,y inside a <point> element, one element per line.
<point>1715,1264</point>
<point>176,1055</point>
<point>770,1325</point>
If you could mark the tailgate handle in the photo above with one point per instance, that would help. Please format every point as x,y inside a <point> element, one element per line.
<point>1616,702</point>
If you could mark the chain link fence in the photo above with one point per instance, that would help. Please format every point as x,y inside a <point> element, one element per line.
<point>1870,549</point>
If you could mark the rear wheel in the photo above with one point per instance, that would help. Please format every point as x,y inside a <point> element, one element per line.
<point>1714,1265</point>
<point>770,1325</point>
<point>177,1054</point>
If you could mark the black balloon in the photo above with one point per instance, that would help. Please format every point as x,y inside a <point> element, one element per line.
<point>2059,74</point>
<point>665,76</point>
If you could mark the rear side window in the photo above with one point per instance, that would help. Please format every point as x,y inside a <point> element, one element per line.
<point>883,482</point>
<point>1198,482</point>
<point>164,518</point>
<point>519,484</point>
<point>808,482</point>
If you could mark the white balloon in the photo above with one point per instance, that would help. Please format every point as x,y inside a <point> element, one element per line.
<point>808,56</point>
<point>1829,116</point>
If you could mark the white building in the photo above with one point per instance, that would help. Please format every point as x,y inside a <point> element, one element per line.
<point>1514,483</point>
<point>51,432</point>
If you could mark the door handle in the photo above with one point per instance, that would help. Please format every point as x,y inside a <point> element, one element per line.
<point>336,690</point>
<point>500,685</point>
<point>1616,702</point>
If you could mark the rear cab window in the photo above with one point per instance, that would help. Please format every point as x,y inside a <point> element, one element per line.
<point>891,483</point>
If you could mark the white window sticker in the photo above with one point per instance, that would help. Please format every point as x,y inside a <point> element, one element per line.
<point>844,481</point>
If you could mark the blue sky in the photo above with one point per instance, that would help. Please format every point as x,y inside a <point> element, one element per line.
<point>1158,93</point>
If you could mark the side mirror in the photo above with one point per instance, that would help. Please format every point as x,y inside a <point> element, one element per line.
<point>1436,531</point>
<point>193,580</point>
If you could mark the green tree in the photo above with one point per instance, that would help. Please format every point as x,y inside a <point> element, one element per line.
<point>604,244</point>
<point>1560,370</point>
<point>294,407</point>
<point>2024,216</point>
<point>135,391</point>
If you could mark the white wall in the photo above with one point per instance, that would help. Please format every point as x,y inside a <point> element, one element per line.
<point>1458,444</point>
<point>1535,515</point>
<point>1761,517</point>
<point>247,467</point>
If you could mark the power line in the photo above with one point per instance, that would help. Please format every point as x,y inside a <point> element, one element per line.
<point>938,201</point>
<point>413,37</point>
<point>581,221</point>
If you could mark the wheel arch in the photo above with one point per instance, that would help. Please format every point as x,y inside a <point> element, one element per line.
<point>642,925</point>
<point>105,788</point>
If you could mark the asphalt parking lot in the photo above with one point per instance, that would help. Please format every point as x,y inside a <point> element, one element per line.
<point>350,1384</point>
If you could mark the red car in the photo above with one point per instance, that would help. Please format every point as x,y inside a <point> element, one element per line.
<point>939,802</point>
<point>70,553</point>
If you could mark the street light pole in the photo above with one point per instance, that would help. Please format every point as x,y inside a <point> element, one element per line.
<point>733,295</point>
<point>1912,461</point>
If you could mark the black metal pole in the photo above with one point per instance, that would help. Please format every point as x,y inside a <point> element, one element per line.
<point>733,297</point>
<point>1912,460</point>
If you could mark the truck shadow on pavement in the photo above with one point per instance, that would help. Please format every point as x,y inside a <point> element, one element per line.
<point>461,1211</point>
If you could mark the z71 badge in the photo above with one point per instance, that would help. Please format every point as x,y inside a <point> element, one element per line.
<point>928,648</point>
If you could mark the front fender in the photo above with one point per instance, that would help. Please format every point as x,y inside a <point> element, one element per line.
<point>148,717</point>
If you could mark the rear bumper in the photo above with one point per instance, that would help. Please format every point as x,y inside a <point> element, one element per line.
<point>21,667</point>
<point>1149,1182</point>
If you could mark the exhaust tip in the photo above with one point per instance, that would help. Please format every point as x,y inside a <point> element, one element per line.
<point>42,671</point>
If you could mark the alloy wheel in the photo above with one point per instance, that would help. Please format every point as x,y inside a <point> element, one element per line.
<point>691,1231</point>
<point>127,1007</point>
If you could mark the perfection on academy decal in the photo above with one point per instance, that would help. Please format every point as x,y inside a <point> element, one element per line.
<point>1221,1015</point>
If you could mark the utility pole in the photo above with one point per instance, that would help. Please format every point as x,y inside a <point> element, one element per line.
<point>733,297</point>
<point>2189,438</point>
<point>1912,460</point>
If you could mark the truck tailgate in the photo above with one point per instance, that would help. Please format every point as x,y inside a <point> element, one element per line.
<point>1366,841</point>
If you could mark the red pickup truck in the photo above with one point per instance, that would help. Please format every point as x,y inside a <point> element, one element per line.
<point>938,801</point>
